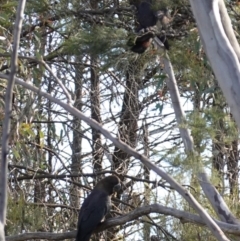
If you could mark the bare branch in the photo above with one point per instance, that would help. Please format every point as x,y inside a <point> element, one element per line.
<point>7,118</point>
<point>175,97</point>
<point>42,235</point>
<point>216,200</point>
<point>184,217</point>
<point>226,22</point>
<point>58,80</point>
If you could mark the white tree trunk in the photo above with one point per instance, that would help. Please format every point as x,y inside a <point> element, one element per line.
<point>221,48</point>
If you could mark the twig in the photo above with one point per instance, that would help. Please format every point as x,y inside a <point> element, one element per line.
<point>58,80</point>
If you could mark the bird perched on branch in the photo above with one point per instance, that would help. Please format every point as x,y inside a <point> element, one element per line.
<point>96,206</point>
<point>150,22</point>
<point>142,42</point>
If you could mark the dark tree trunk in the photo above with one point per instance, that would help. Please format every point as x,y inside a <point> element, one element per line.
<point>76,144</point>
<point>128,126</point>
<point>97,151</point>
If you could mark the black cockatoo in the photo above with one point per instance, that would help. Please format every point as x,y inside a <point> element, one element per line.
<point>142,42</point>
<point>96,206</point>
<point>147,17</point>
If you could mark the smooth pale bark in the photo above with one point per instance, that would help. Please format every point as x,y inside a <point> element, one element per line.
<point>178,110</point>
<point>175,98</point>
<point>216,200</point>
<point>221,49</point>
<point>7,117</point>
<point>227,25</point>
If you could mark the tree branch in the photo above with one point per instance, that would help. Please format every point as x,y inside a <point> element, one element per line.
<point>184,217</point>
<point>226,22</point>
<point>7,118</point>
<point>220,52</point>
<point>216,200</point>
<point>179,113</point>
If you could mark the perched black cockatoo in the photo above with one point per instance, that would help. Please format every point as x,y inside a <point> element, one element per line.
<point>142,42</point>
<point>147,18</point>
<point>96,206</point>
